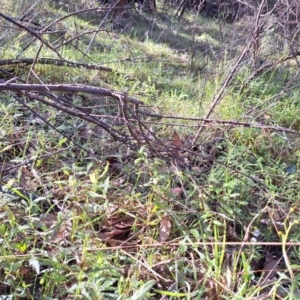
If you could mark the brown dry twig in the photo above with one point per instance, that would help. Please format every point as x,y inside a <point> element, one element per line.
<point>73,88</point>
<point>55,62</point>
<point>31,32</point>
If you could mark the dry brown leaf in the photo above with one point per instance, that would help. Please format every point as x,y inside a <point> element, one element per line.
<point>60,228</point>
<point>112,234</point>
<point>115,167</point>
<point>270,268</point>
<point>119,181</point>
<point>164,229</point>
<point>211,292</point>
<point>176,141</point>
<point>48,220</point>
<point>178,191</point>
<point>176,146</point>
<point>124,222</point>
<point>118,221</point>
<point>116,226</point>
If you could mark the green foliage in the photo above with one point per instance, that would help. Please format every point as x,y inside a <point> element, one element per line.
<point>89,224</point>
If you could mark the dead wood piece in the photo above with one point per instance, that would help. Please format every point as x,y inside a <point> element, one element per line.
<point>56,62</point>
<point>73,88</point>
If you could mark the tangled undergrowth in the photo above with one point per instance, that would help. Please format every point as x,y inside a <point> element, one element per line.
<point>179,186</point>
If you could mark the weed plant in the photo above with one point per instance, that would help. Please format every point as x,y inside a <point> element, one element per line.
<point>85,218</point>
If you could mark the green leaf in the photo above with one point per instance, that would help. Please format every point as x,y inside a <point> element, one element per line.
<point>143,290</point>
<point>62,141</point>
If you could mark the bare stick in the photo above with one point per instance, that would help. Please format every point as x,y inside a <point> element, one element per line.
<point>31,32</point>
<point>231,74</point>
<point>75,88</point>
<point>56,62</point>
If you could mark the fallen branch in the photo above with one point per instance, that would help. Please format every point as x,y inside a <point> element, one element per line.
<point>215,122</point>
<point>32,32</point>
<point>74,88</point>
<point>56,62</point>
<point>269,65</point>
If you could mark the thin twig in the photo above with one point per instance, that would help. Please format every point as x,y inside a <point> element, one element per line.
<point>31,32</point>
<point>74,88</point>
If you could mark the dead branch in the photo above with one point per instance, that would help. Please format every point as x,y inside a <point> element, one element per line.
<point>223,88</point>
<point>55,62</point>
<point>73,88</point>
<point>216,122</point>
<point>269,65</point>
<point>32,32</point>
<point>81,115</point>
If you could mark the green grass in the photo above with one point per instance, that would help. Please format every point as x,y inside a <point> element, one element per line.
<point>89,218</point>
